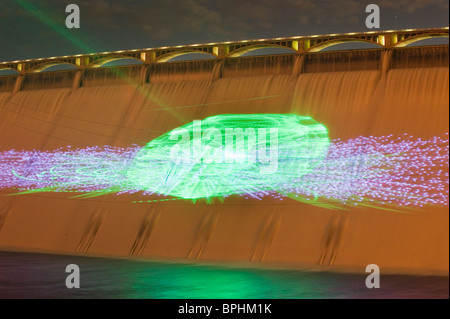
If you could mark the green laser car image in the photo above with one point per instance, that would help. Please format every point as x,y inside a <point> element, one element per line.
<point>229,154</point>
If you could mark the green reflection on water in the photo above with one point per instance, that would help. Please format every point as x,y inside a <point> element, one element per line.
<point>206,282</point>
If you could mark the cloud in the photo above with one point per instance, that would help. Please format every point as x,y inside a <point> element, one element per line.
<point>217,20</point>
<point>161,19</point>
<point>411,6</point>
<point>221,19</point>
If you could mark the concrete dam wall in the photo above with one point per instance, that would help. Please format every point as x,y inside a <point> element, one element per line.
<point>353,93</point>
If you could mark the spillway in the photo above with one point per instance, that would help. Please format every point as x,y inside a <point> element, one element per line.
<point>353,93</point>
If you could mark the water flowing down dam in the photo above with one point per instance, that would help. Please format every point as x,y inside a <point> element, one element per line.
<point>369,98</point>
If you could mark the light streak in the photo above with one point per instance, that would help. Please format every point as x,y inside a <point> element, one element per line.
<point>386,171</point>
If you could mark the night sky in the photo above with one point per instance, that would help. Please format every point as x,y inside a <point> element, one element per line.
<point>36,28</point>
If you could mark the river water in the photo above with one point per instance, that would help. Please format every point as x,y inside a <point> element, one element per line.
<point>29,275</point>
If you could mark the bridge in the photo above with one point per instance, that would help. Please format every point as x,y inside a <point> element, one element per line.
<point>220,50</point>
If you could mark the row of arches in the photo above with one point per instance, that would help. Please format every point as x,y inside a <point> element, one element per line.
<point>251,50</point>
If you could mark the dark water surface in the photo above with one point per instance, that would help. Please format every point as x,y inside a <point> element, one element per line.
<point>26,275</point>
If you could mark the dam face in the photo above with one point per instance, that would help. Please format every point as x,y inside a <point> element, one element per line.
<point>369,93</point>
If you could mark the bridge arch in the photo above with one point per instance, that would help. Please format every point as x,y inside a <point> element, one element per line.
<point>251,48</point>
<point>102,61</point>
<point>174,54</point>
<point>419,37</point>
<point>8,71</point>
<point>44,66</point>
<point>323,45</point>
